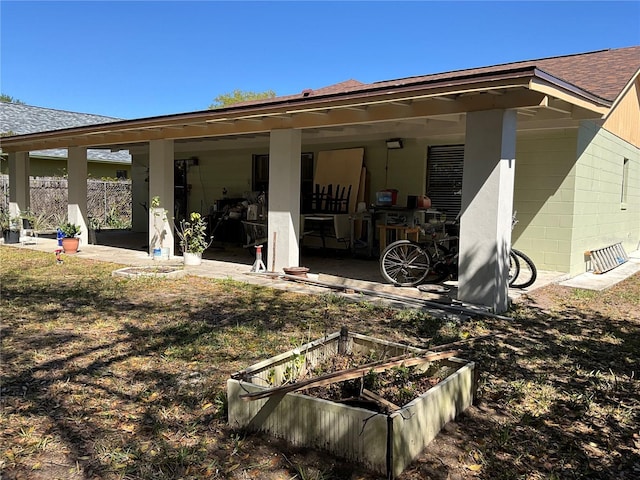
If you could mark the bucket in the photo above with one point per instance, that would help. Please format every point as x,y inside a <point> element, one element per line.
<point>190,258</point>
<point>161,253</point>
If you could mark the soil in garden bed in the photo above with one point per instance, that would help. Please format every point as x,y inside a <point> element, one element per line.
<point>397,385</point>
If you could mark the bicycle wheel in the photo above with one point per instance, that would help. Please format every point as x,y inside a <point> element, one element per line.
<point>404,263</point>
<point>528,272</point>
<point>514,268</point>
<point>440,269</point>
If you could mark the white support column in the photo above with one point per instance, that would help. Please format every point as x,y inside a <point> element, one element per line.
<point>19,189</point>
<point>139,192</point>
<point>284,199</point>
<point>161,154</point>
<point>77,200</point>
<point>487,204</point>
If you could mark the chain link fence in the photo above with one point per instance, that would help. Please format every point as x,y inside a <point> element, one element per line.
<point>108,201</point>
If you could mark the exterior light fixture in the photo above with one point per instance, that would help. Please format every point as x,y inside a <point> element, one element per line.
<point>394,143</point>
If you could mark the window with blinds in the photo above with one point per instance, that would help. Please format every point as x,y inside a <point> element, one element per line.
<point>444,178</point>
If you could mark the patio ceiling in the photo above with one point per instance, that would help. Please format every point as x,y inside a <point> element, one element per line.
<point>409,110</point>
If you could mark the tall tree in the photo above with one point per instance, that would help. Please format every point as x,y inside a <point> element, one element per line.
<point>238,96</point>
<point>9,99</point>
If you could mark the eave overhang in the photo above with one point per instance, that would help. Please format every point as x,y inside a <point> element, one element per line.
<point>524,89</point>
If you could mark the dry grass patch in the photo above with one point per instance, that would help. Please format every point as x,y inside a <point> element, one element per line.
<point>120,378</point>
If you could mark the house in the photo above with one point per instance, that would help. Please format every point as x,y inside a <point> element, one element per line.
<point>555,139</point>
<point>19,119</point>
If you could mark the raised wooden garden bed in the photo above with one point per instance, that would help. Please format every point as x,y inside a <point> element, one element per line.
<point>165,271</point>
<point>359,420</point>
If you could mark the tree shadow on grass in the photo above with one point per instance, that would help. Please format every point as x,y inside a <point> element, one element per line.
<point>559,398</point>
<point>127,379</point>
<point>122,385</point>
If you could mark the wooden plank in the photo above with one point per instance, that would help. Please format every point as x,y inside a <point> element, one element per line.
<point>461,309</point>
<point>349,374</point>
<point>369,395</point>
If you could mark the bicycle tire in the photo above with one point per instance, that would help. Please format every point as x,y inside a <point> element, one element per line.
<point>528,272</point>
<point>405,263</point>
<point>514,268</point>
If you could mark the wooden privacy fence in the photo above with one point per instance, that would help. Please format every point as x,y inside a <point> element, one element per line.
<point>108,201</point>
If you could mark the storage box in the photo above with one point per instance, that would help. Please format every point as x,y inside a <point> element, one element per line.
<point>387,198</point>
<point>383,199</point>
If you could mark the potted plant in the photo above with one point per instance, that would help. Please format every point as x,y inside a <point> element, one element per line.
<point>10,227</point>
<point>159,221</point>
<point>36,221</point>
<point>95,224</point>
<point>192,233</point>
<point>4,224</point>
<point>34,224</point>
<point>70,241</point>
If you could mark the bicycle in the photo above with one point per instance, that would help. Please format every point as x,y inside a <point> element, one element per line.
<point>407,263</point>
<point>527,272</point>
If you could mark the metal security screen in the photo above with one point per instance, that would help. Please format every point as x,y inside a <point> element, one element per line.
<point>444,177</point>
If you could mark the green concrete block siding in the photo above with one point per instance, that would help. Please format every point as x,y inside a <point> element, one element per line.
<point>543,198</point>
<point>599,220</point>
<point>567,196</point>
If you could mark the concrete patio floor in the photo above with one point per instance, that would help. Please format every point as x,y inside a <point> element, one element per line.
<point>337,268</point>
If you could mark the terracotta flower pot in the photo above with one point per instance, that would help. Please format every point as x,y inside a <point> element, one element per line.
<point>70,245</point>
<point>296,271</point>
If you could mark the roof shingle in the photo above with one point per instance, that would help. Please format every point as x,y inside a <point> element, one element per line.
<point>20,119</point>
<point>602,73</point>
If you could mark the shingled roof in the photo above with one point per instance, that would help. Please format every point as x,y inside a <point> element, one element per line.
<point>602,73</point>
<point>20,119</point>
<point>591,81</point>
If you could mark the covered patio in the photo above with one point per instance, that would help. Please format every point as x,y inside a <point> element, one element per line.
<point>483,109</point>
<point>356,279</point>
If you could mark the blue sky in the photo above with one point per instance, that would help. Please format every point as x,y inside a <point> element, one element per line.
<point>137,59</point>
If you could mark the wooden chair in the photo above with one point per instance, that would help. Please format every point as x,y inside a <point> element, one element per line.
<point>327,209</point>
<point>324,200</point>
